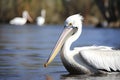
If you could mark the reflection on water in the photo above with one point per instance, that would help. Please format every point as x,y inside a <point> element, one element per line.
<point>24,49</point>
<point>88,77</point>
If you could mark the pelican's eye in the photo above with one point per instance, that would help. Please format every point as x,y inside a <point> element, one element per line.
<point>70,24</point>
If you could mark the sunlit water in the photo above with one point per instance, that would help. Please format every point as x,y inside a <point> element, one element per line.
<point>24,49</point>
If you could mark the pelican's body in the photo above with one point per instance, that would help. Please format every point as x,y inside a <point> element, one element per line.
<point>21,20</point>
<point>84,60</point>
<point>18,21</point>
<point>41,19</point>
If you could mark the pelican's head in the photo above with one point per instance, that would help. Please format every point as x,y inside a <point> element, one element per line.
<point>74,21</point>
<point>73,25</point>
<point>43,13</point>
<point>26,15</point>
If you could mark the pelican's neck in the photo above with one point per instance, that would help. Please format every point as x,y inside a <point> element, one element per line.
<point>25,14</point>
<point>71,39</point>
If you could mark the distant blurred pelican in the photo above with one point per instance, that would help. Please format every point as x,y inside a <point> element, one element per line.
<point>21,20</point>
<point>41,19</point>
<point>83,60</point>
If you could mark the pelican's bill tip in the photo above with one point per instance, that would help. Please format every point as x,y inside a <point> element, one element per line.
<point>45,65</point>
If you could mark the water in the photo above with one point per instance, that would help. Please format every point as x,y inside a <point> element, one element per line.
<point>24,49</point>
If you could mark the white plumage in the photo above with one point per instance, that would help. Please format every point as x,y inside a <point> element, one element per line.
<point>102,59</point>
<point>21,20</point>
<point>18,21</point>
<point>84,60</point>
<point>41,19</point>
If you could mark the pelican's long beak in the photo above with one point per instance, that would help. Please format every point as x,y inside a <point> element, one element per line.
<point>29,18</point>
<point>66,33</point>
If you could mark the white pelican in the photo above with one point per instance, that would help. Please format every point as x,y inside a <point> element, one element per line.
<point>21,20</point>
<point>41,19</point>
<point>83,60</point>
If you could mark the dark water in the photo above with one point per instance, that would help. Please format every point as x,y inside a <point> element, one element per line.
<point>24,49</point>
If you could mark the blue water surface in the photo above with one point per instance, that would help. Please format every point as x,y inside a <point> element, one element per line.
<point>24,50</point>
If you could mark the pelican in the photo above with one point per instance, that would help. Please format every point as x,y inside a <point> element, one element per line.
<point>83,60</point>
<point>41,19</point>
<point>21,20</point>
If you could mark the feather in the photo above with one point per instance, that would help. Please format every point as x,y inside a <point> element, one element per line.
<point>102,59</point>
